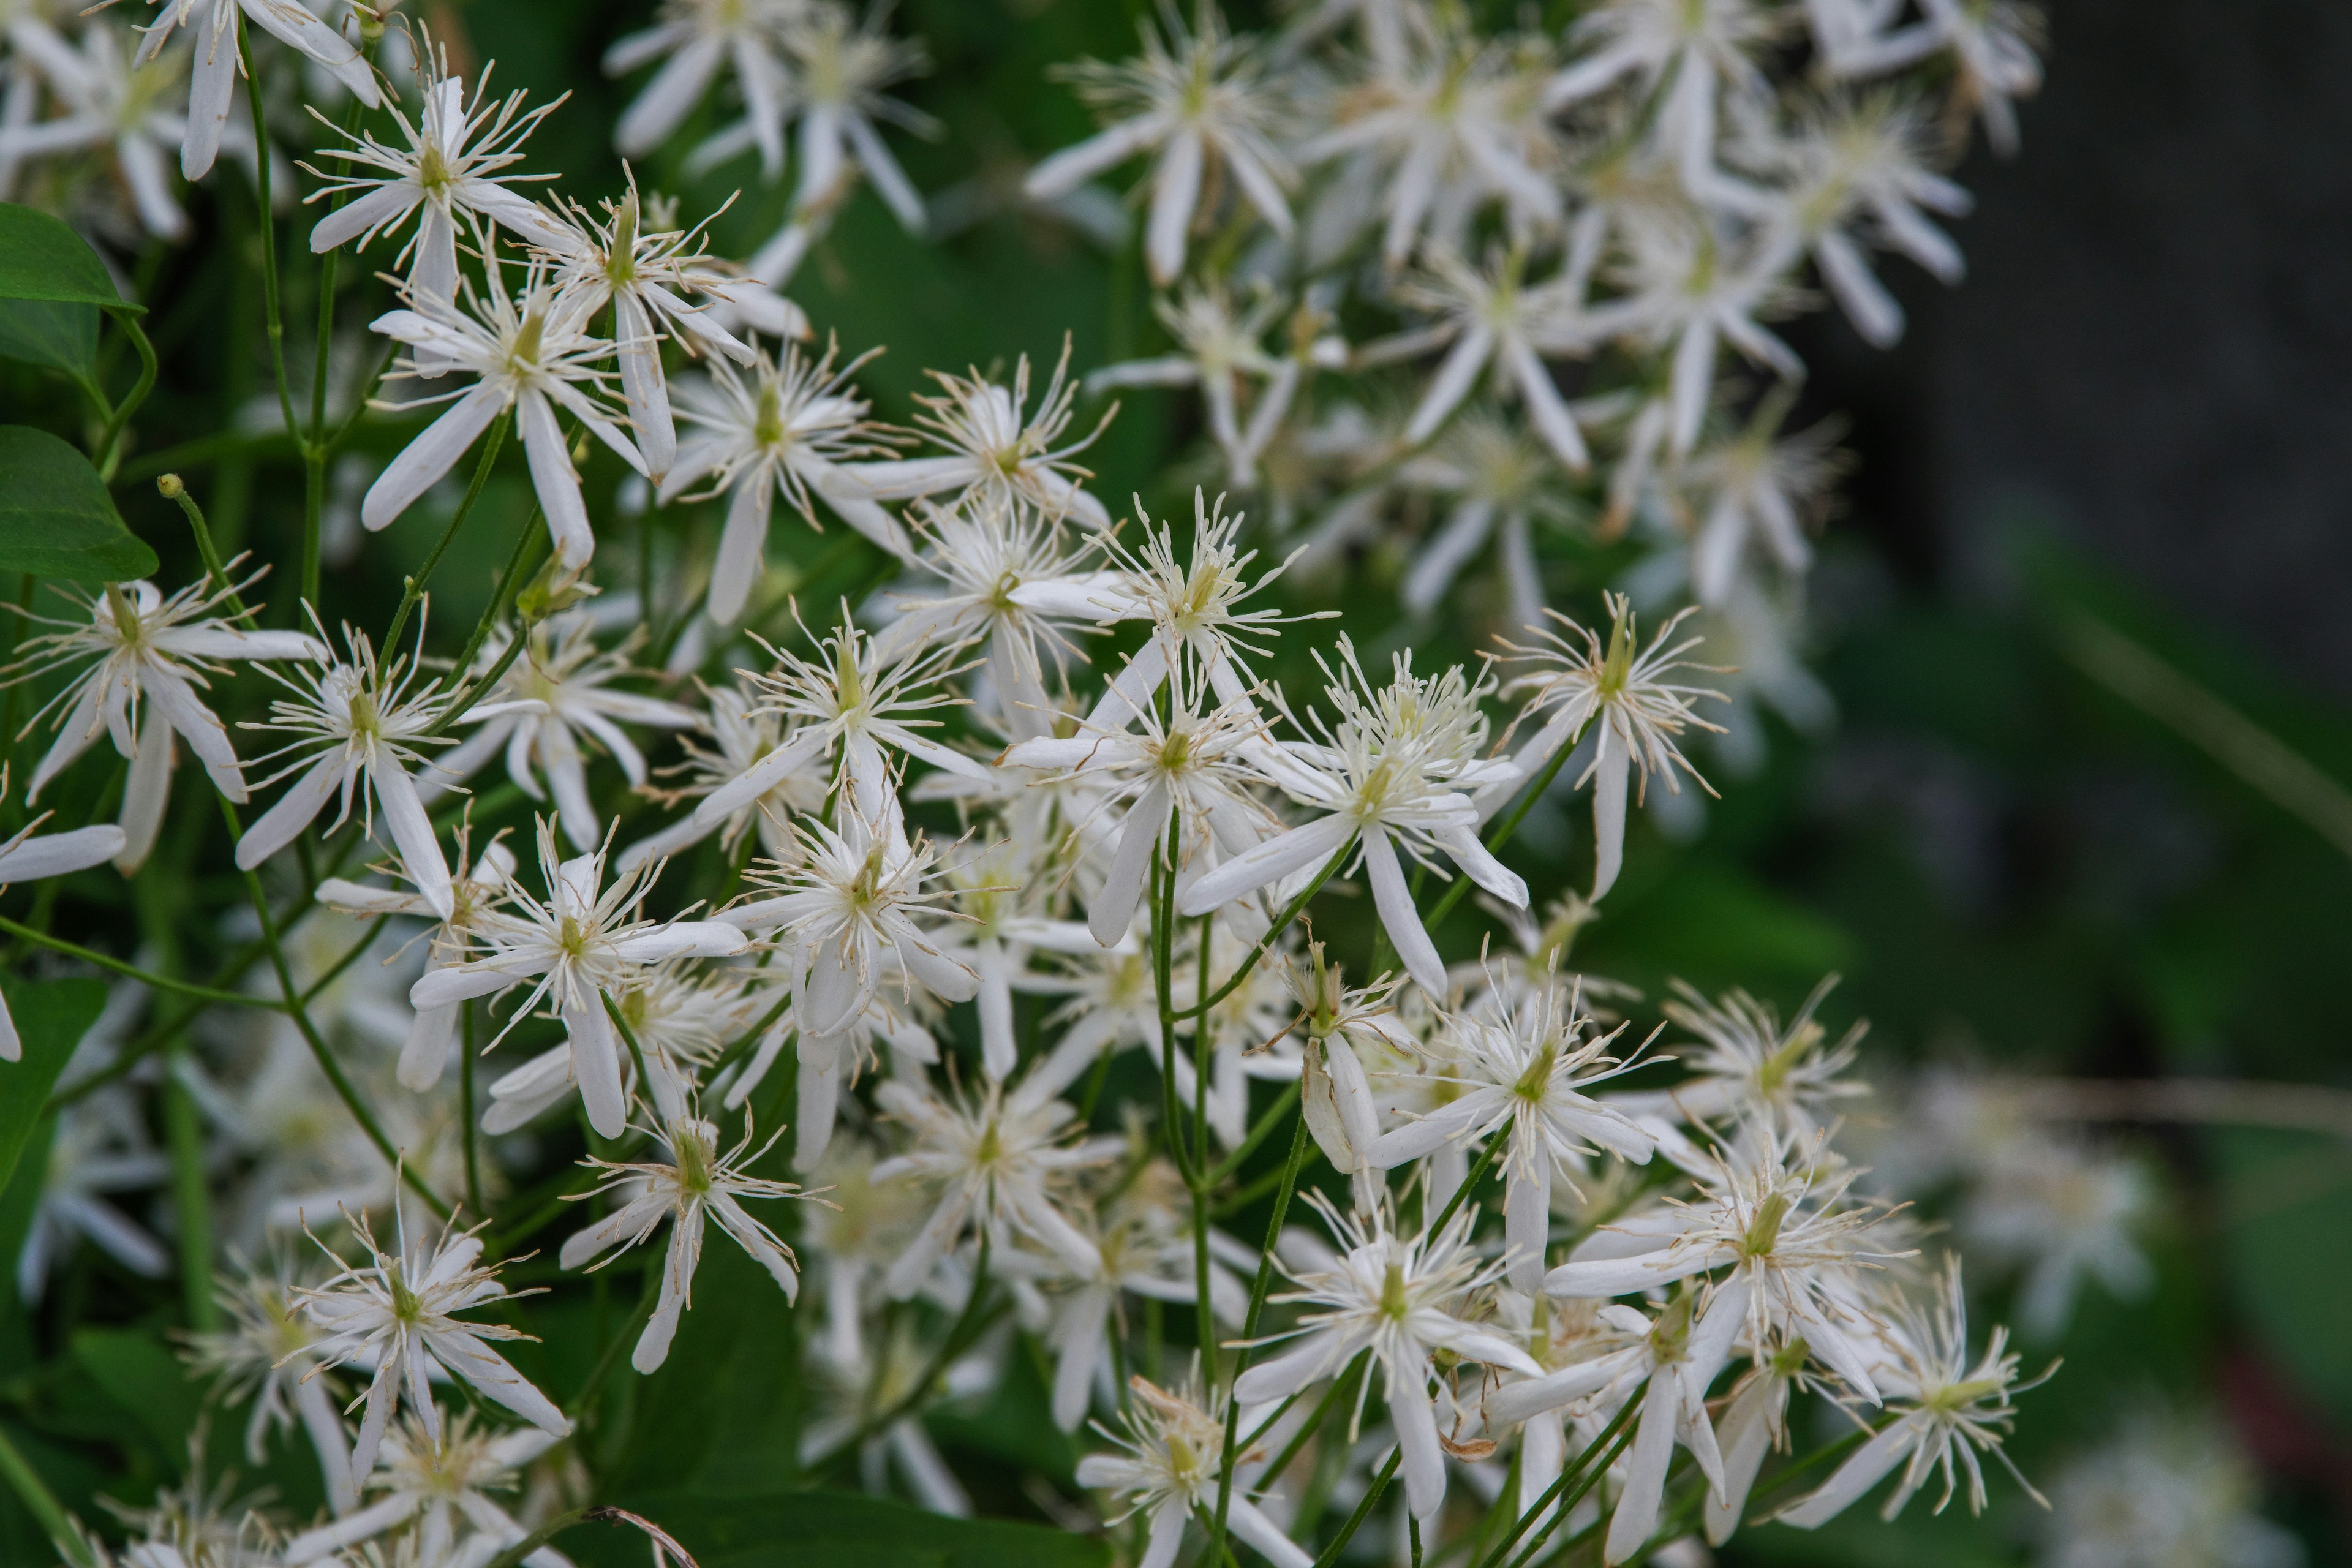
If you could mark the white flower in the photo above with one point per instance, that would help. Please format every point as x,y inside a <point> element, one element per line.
<point>855,699</point>
<point>999,1159</point>
<point>1001,451</point>
<point>264,1355</point>
<point>1638,711</point>
<point>1396,1298</point>
<point>1450,122</point>
<point>842,64</point>
<point>1674,1409</point>
<point>100,1147</point>
<point>1707,48</point>
<point>1948,1409</point>
<point>30,856</point>
<point>558,694</point>
<point>1221,351</point>
<point>156,651</point>
<point>2165,1488</point>
<point>1791,1241</point>
<point>1750,1066</point>
<point>785,429</point>
<point>1993,43</point>
<point>1760,486</point>
<point>1521,1071</point>
<point>534,357</point>
<point>699,36</point>
<point>1007,578</point>
<point>373,728</point>
<point>741,729</point>
<point>455,158</point>
<point>1392,768</point>
<point>1196,98</point>
<point>1857,170</point>
<point>2063,1213</point>
<point>1503,484</point>
<point>1194,766</point>
<point>437,1487</point>
<point>848,903</point>
<point>580,946</point>
<point>1494,317</point>
<point>1171,1468</point>
<point>108,102</point>
<point>397,1312</point>
<point>212,24</point>
<point>1695,283</point>
<point>699,1183</point>
<point>647,268</point>
<point>476,887</point>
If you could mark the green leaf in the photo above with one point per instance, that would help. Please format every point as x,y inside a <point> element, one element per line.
<point>56,518</point>
<point>51,1018</point>
<point>145,1379</point>
<point>41,259</point>
<point>58,335</point>
<point>832,1529</point>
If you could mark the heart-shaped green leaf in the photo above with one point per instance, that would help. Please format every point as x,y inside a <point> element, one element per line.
<point>60,335</point>
<point>56,518</point>
<point>41,259</point>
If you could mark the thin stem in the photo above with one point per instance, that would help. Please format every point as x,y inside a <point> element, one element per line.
<point>1568,1476</point>
<point>1504,829</point>
<point>132,972</point>
<point>1233,981</point>
<point>1282,1107</point>
<point>110,440</point>
<point>1342,1388</point>
<point>517,567</point>
<point>1589,1478</point>
<point>311,1035</point>
<point>1363,1511</point>
<point>192,1204</point>
<point>172,487</point>
<point>274,320</point>
<point>646,1299</point>
<point>416,585</point>
<point>1462,1193</point>
<point>42,1505</point>
<point>314,447</point>
<point>1163,922</point>
<point>1249,1331</point>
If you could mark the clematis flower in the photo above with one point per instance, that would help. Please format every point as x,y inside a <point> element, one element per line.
<point>109,103</point>
<point>455,157</point>
<point>1391,770</point>
<point>700,37</point>
<point>998,448</point>
<point>212,85</point>
<point>532,356</point>
<point>440,1490</point>
<point>1626,691</point>
<point>1169,1468</point>
<point>157,651</point>
<point>697,1184</point>
<point>792,428</point>
<point>577,948</point>
<point>373,727</point>
<point>1398,1298</point>
<point>1199,101</point>
<point>396,1314</point>
<point>1495,317</point>
<point>558,694</point>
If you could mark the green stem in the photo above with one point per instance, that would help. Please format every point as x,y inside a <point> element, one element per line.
<point>192,1203</point>
<point>416,585</point>
<point>274,320</point>
<point>1567,1477</point>
<point>42,1505</point>
<point>1249,1333</point>
<point>311,1035</point>
<point>314,447</point>
<point>132,972</point>
<point>1282,1107</point>
<point>1586,1481</point>
<point>1462,1193</point>
<point>967,1326</point>
<point>1233,981</point>
<point>172,487</point>
<point>1342,1387</point>
<point>1363,1511</point>
<point>110,442</point>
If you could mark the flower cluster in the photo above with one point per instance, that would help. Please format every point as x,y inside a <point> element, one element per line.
<point>983,900</point>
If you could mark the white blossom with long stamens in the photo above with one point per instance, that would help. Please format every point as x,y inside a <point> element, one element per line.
<point>212,83</point>
<point>1170,1469</point>
<point>575,949</point>
<point>790,428</point>
<point>153,651</point>
<point>1393,769</point>
<point>1199,101</point>
<point>1399,1298</point>
<point>438,1491</point>
<point>699,1183</point>
<point>396,1313</point>
<point>534,357</point>
<point>455,157</point>
<point>699,38</point>
<point>1625,692</point>
<point>998,446</point>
